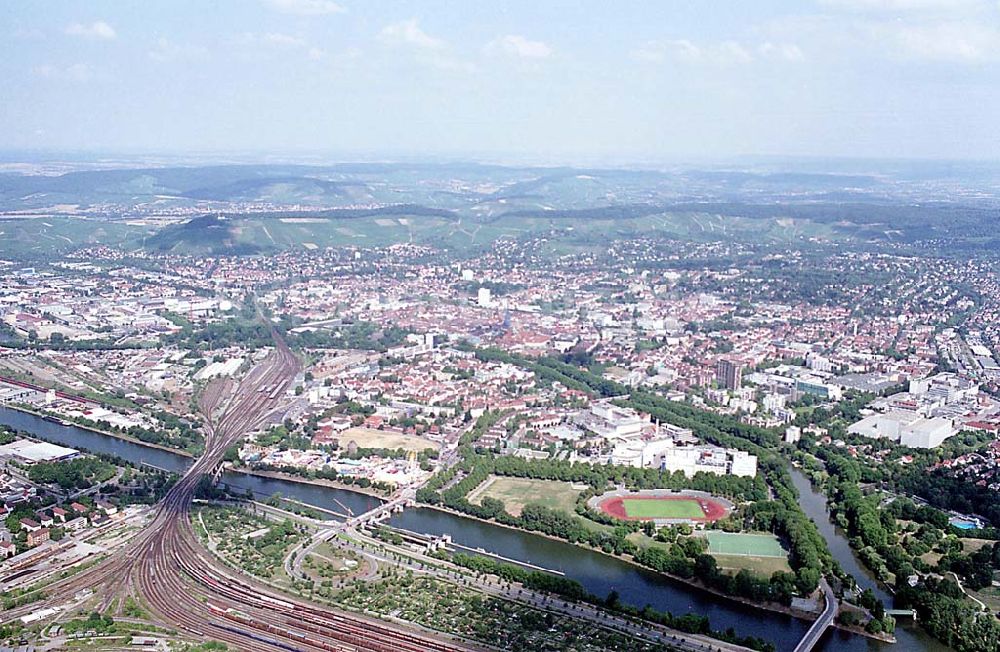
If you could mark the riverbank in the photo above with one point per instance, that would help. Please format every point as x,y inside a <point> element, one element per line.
<point>773,607</point>
<point>860,631</point>
<point>117,435</point>
<point>316,482</point>
<point>273,475</point>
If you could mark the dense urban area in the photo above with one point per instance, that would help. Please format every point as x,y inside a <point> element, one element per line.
<point>422,425</point>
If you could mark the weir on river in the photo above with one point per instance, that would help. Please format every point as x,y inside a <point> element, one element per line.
<point>598,573</point>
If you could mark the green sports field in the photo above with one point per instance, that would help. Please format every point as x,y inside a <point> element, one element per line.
<point>748,545</point>
<point>652,508</point>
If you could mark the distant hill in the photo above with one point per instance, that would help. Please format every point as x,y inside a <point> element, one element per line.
<point>208,234</point>
<point>246,209</point>
<point>239,234</point>
<point>276,189</point>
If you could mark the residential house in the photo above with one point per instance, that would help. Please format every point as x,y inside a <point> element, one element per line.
<point>38,536</point>
<point>30,525</point>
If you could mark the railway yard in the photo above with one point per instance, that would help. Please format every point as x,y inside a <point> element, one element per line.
<point>186,588</point>
<point>157,577</point>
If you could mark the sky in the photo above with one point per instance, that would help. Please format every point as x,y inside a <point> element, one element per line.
<point>583,80</point>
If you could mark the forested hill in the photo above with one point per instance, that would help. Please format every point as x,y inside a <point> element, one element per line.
<point>248,209</point>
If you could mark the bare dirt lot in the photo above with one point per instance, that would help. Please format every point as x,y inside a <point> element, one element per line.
<point>369,438</point>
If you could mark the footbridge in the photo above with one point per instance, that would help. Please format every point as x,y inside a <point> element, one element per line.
<point>902,613</point>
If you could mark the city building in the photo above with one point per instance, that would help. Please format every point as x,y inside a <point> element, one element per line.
<point>26,451</point>
<point>933,409</point>
<point>729,374</point>
<point>38,537</point>
<point>670,455</point>
<point>906,428</point>
<point>613,422</point>
<point>816,387</point>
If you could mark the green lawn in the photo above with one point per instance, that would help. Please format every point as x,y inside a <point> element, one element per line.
<point>989,595</point>
<point>518,492</point>
<point>651,508</point>
<point>749,545</point>
<point>762,566</point>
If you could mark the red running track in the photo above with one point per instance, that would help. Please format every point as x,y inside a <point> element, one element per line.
<point>713,509</point>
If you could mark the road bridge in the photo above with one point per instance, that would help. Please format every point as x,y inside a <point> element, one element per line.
<point>824,621</point>
<point>187,589</point>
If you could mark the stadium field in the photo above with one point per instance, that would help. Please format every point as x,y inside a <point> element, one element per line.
<point>645,508</point>
<point>746,545</point>
<point>662,506</point>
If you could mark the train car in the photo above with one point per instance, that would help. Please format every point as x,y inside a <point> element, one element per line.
<point>18,575</point>
<point>278,603</point>
<point>262,639</point>
<point>374,639</point>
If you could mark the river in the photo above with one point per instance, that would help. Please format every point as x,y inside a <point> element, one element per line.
<point>909,636</point>
<point>598,573</point>
<point>326,497</point>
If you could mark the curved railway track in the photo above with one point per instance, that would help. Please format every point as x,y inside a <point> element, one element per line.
<point>187,588</point>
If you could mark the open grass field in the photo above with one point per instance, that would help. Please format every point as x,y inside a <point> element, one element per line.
<point>761,566</point>
<point>990,596</point>
<point>761,554</point>
<point>518,492</point>
<point>731,564</point>
<point>747,545</point>
<point>369,438</point>
<point>970,545</point>
<point>645,508</point>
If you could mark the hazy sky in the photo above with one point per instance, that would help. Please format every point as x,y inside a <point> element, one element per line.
<point>658,80</point>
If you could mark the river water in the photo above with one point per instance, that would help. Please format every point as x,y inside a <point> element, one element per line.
<point>332,498</point>
<point>909,636</point>
<point>598,573</point>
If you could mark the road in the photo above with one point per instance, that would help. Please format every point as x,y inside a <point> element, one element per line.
<point>958,580</point>
<point>376,552</point>
<point>293,560</point>
<point>824,621</point>
<point>389,554</point>
<point>187,588</point>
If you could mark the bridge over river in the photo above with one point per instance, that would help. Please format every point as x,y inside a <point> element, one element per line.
<point>824,621</point>
<point>598,573</point>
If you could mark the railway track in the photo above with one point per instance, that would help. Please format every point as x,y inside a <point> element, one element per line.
<point>166,567</point>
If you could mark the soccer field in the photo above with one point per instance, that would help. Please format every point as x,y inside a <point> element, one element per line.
<point>748,545</point>
<point>666,508</point>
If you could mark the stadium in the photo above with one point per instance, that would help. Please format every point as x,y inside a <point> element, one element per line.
<point>663,507</point>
